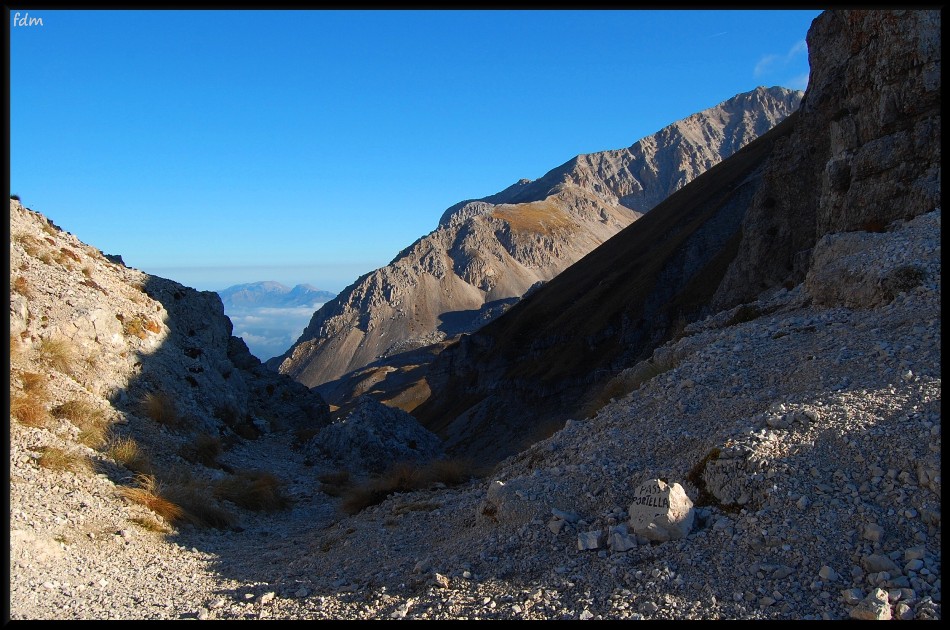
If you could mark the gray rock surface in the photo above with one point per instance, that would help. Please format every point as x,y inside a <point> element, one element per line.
<point>78,551</point>
<point>661,511</point>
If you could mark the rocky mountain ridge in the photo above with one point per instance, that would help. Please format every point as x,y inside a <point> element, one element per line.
<point>487,253</point>
<point>748,225</point>
<point>803,428</point>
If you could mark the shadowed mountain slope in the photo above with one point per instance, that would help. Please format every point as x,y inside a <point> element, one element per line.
<point>486,253</point>
<point>744,227</point>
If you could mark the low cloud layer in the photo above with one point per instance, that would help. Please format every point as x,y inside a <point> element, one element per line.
<point>267,331</point>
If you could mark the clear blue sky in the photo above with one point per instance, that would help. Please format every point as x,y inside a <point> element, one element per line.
<point>221,147</point>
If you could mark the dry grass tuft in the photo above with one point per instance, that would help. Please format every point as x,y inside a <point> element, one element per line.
<point>68,253</point>
<point>30,410</point>
<point>31,245</point>
<point>199,505</point>
<point>79,412</point>
<point>89,419</point>
<point>151,524</point>
<point>126,452</point>
<point>253,490</point>
<point>205,450</point>
<point>335,484</point>
<point>59,354</point>
<point>405,477</point>
<point>160,407</point>
<point>624,383</point>
<point>54,458</point>
<point>35,383</point>
<point>149,492</point>
<point>16,349</point>
<point>21,286</point>
<point>48,228</point>
<point>302,436</point>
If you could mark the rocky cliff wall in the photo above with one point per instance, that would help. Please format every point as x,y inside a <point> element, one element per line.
<point>866,151</point>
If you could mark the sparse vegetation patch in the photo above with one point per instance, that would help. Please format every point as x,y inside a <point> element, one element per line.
<point>54,458</point>
<point>21,286</point>
<point>160,407</point>
<point>254,490</point>
<point>59,354</point>
<point>405,477</point>
<point>30,410</point>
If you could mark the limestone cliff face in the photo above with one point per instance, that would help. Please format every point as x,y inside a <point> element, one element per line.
<point>862,151</point>
<point>486,253</point>
<point>866,151</point>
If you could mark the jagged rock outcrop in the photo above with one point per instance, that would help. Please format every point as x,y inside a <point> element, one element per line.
<point>486,253</point>
<point>746,226</point>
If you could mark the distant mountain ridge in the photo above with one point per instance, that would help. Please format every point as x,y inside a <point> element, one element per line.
<point>269,293</point>
<point>486,253</point>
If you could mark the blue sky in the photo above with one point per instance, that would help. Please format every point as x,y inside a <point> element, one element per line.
<point>223,147</point>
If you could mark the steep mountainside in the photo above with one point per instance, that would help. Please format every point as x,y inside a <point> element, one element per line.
<point>849,159</point>
<point>487,253</point>
<point>272,294</point>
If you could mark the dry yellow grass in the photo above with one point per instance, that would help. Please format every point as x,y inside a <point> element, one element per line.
<point>31,245</point>
<point>160,407</point>
<point>34,382</point>
<point>22,286</point>
<point>405,477</point>
<point>89,419</point>
<point>199,505</point>
<point>126,452</point>
<point>544,217</point>
<point>16,349</point>
<point>151,524</point>
<point>58,354</point>
<point>254,490</point>
<point>149,492</point>
<point>30,410</point>
<point>79,412</point>
<point>54,458</point>
<point>204,449</point>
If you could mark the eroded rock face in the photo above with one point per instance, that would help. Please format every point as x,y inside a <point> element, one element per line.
<point>497,247</point>
<point>746,227</point>
<point>859,157</point>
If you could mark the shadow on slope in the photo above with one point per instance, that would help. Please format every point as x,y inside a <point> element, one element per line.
<point>520,377</point>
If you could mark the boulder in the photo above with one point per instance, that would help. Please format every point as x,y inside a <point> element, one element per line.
<point>660,511</point>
